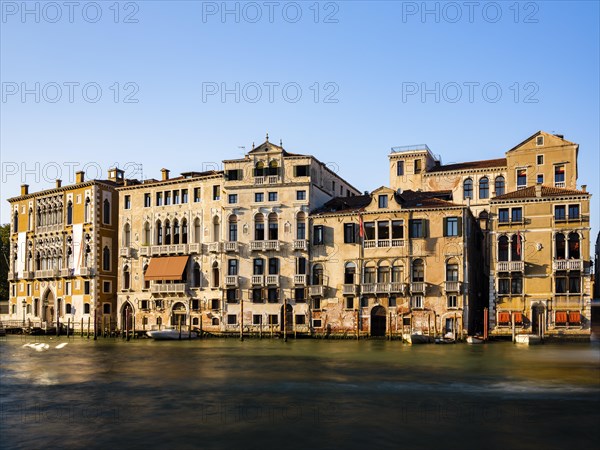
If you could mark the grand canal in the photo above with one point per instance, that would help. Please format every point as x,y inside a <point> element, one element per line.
<point>222,393</point>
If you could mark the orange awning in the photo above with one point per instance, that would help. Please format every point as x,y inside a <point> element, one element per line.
<point>574,317</point>
<point>167,268</point>
<point>518,317</point>
<point>503,317</point>
<point>561,317</point>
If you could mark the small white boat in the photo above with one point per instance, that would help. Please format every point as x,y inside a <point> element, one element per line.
<point>169,334</point>
<point>528,339</point>
<point>417,338</point>
<point>475,340</point>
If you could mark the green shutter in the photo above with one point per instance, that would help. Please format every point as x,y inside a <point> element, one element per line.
<point>459,226</point>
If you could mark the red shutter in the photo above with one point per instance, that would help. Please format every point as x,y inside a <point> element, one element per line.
<point>574,317</point>
<point>561,317</point>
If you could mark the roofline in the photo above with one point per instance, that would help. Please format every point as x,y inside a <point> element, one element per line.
<point>61,189</point>
<point>537,134</point>
<point>142,185</point>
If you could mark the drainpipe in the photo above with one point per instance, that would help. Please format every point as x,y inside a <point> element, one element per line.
<point>465,264</point>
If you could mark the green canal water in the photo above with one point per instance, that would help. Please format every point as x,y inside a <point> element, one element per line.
<point>226,394</point>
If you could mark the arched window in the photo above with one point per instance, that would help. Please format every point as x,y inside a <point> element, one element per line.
<point>418,270</point>
<point>451,270</point>
<point>106,212</point>
<point>484,188</point>
<point>146,282</point>
<point>215,274</point>
<point>233,228</point>
<point>87,211</point>
<point>146,233</point>
<point>70,257</point>
<point>176,232</point>
<point>383,273</point>
<point>196,275</point>
<point>106,259</point>
<point>16,222</point>
<point>159,233</point>
<point>503,248</point>
<point>273,227</point>
<point>167,232</point>
<point>126,277</point>
<point>127,235</point>
<point>349,272</point>
<point>397,274</point>
<point>39,217</point>
<point>369,273</point>
<point>301,226</point>
<point>516,247</point>
<point>216,229</point>
<point>560,246</point>
<point>500,185</point>
<point>273,168</point>
<point>317,274</point>
<point>30,220</point>
<point>259,227</point>
<point>69,212</point>
<point>259,169</point>
<point>468,188</point>
<point>38,261</point>
<point>86,256</point>
<point>574,252</point>
<point>197,231</point>
<point>184,231</point>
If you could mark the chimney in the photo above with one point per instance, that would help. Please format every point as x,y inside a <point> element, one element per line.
<point>538,190</point>
<point>24,189</point>
<point>165,174</point>
<point>58,183</point>
<point>79,176</point>
<point>584,187</point>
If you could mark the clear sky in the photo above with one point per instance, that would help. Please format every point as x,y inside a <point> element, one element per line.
<point>185,84</point>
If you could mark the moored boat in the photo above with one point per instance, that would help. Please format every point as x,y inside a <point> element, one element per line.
<point>169,334</point>
<point>418,338</point>
<point>528,339</point>
<point>475,340</point>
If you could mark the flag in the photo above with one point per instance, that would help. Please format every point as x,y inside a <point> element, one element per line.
<point>361,227</point>
<point>519,243</point>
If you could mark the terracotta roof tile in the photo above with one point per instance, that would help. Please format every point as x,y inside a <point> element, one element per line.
<point>547,191</point>
<point>500,162</point>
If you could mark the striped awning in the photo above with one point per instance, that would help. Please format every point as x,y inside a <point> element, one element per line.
<point>167,268</point>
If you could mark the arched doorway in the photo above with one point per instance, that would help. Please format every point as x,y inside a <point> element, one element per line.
<point>537,317</point>
<point>289,318</point>
<point>48,307</point>
<point>178,314</point>
<point>127,317</point>
<point>378,321</point>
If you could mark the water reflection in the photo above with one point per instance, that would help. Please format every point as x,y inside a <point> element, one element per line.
<point>326,394</point>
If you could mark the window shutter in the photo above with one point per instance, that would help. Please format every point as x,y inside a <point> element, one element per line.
<point>445,226</point>
<point>459,226</point>
<point>425,223</point>
<point>238,294</point>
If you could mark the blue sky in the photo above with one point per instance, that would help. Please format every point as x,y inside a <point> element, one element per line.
<point>343,77</point>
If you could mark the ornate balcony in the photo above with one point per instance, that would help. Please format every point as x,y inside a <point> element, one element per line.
<point>316,290</point>
<point>300,244</point>
<point>232,280</point>
<point>213,247</point>
<point>12,276</point>
<point>397,288</point>
<point>510,266</point>
<point>417,287</point>
<point>382,288</point>
<point>174,288</point>
<point>453,286</point>
<point>300,279</point>
<point>349,289</point>
<point>264,245</point>
<point>86,272</point>
<point>231,246</point>
<point>67,273</point>
<point>195,248</point>
<point>125,252</point>
<point>144,250</point>
<point>28,275</point>
<point>367,288</point>
<point>567,264</point>
<point>272,280</point>
<point>171,249</point>
<point>258,280</point>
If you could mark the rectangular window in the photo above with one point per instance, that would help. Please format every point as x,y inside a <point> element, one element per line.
<point>273,319</point>
<point>451,226</point>
<point>86,308</point>
<point>106,287</point>
<point>318,235</point>
<point>259,197</point>
<point>232,199</point>
<point>417,228</point>
<point>317,304</point>
<point>127,202</point>
<point>86,287</point>
<point>521,178</point>
<point>216,192</point>
<point>257,295</point>
<point>232,267</point>
<point>574,283</point>
<point>383,201</point>
<point>184,196</point>
<point>417,166</point>
<point>231,319</point>
<point>504,286</point>
<point>301,265</point>
<point>392,302</point>
<point>540,178</point>
<point>197,192</point>
<point>369,230</point>
<point>317,323</point>
<point>147,200</point>
<point>539,140</point>
<point>67,288</point>
<point>397,229</point>
<point>452,303</point>
<point>364,302</point>
<point>400,168</point>
<point>383,229</point>
<point>301,171</point>
<point>106,308</point>
<point>417,301</point>
<point>299,295</point>
<point>516,215</point>
<point>214,304</point>
<point>349,233</point>
<point>258,266</point>
<point>333,187</point>
<point>232,296</point>
<point>272,295</point>
<point>273,266</point>
<point>300,319</point>
<point>144,305</point>
<point>559,212</point>
<point>234,175</point>
<point>272,196</point>
<point>300,195</point>
<point>159,199</point>
<point>573,212</point>
<point>540,159</point>
<point>349,302</point>
<point>176,197</point>
<point>559,176</point>
<point>167,197</point>
<point>503,215</point>
<point>256,319</point>
<point>560,283</point>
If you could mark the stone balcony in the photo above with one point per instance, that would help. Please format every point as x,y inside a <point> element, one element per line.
<point>264,245</point>
<point>174,288</point>
<point>157,250</point>
<point>567,264</point>
<point>125,252</point>
<point>232,280</point>
<point>300,279</point>
<point>257,280</point>
<point>349,289</point>
<point>272,280</point>
<point>316,290</point>
<point>87,272</point>
<point>268,179</point>
<point>231,246</point>
<point>384,243</point>
<point>300,244</point>
<point>417,287</point>
<point>452,286</point>
<point>510,266</point>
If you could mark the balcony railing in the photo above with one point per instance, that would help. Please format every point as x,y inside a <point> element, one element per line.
<point>28,274</point>
<point>272,280</point>
<point>66,273</point>
<point>125,252</point>
<point>264,245</point>
<point>382,288</point>
<point>367,288</point>
<point>559,184</point>
<point>174,288</point>
<point>12,276</point>
<point>231,246</point>
<point>258,280</point>
<point>453,286</point>
<point>300,244</point>
<point>383,243</point>
<point>144,250</point>
<point>232,280</point>
<point>195,248</point>
<point>213,247</point>
<point>300,279</point>
<point>269,179</point>
<point>371,243</point>
<point>417,287</point>
<point>349,289</point>
<point>47,273</point>
<point>397,287</point>
<point>567,264</point>
<point>316,290</point>
<point>510,266</point>
<point>397,242</point>
<point>86,272</point>
<point>170,249</point>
